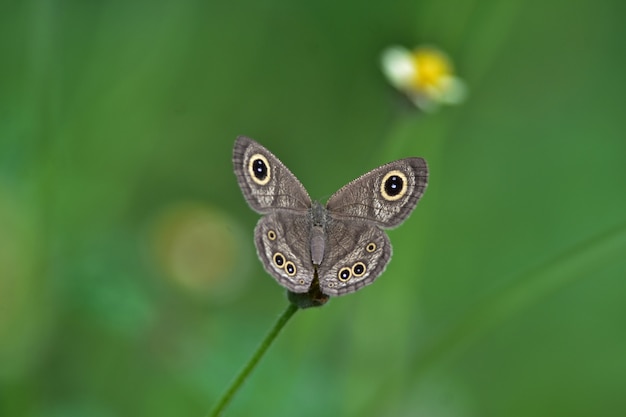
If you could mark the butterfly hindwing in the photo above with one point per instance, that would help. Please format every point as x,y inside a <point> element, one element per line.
<point>357,253</point>
<point>285,254</point>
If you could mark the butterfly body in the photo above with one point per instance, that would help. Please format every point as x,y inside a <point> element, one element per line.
<point>341,246</point>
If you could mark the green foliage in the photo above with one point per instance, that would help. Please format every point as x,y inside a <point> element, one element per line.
<point>128,280</point>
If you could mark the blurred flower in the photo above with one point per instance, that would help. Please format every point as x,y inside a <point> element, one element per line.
<point>425,75</point>
<point>199,248</point>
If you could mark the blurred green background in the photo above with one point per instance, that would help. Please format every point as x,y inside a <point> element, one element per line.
<point>129,283</point>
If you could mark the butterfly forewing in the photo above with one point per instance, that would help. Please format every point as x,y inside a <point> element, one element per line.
<point>266,183</point>
<point>386,195</point>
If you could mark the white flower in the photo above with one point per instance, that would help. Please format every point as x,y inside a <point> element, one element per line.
<point>425,75</point>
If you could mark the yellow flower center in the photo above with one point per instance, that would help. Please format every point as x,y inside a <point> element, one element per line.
<point>432,67</point>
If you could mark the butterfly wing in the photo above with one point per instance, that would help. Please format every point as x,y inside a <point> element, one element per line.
<point>357,252</point>
<point>282,244</point>
<point>266,183</point>
<point>385,196</point>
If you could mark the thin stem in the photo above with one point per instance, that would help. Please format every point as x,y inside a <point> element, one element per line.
<point>243,375</point>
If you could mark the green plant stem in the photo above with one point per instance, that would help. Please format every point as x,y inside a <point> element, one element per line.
<point>243,375</point>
